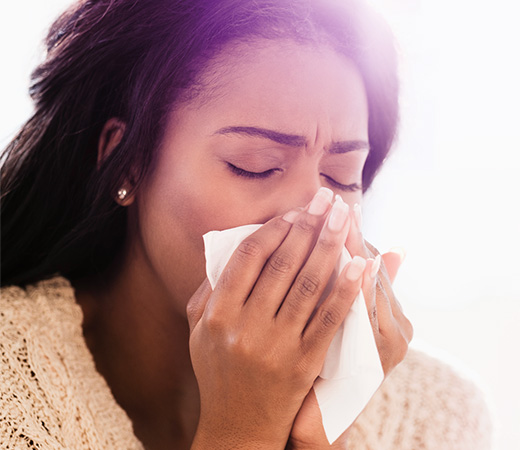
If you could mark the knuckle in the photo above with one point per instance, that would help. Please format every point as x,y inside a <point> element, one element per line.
<point>192,309</point>
<point>329,318</point>
<point>327,245</point>
<point>280,263</point>
<point>373,315</point>
<point>249,354</point>
<point>280,225</point>
<point>249,248</point>
<point>214,323</point>
<point>303,367</point>
<point>272,364</point>
<point>227,279</point>
<point>240,347</point>
<point>344,289</point>
<point>380,290</point>
<point>408,329</point>
<point>305,225</point>
<point>307,285</point>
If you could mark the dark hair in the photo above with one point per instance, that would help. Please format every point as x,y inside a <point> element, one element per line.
<point>133,60</point>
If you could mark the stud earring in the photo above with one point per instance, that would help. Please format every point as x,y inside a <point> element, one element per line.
<point>121,194</point>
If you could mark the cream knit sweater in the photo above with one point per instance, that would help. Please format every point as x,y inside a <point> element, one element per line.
<point>52,397</point>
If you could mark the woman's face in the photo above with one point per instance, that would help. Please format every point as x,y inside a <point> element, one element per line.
<point>274,121</point>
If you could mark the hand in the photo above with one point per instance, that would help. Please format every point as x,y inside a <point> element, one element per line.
<point>308,432</point>
<point>391,328</point>
<point>255,348</point>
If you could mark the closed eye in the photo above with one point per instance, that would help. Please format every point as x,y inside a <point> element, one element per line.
<point>247,174</point>
<point>342,187</point>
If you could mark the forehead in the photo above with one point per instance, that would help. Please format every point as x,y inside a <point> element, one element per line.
<point>286,86</point>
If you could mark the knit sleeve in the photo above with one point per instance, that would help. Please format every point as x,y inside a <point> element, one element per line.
<point>51,396</point>
<point>424,404</point>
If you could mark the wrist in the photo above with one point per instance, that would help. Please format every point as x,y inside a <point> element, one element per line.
<point>246,429</point>
<point>223,436</point>
<point>206,440</point>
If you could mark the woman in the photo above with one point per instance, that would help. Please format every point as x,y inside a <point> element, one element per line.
<point>155,122</point>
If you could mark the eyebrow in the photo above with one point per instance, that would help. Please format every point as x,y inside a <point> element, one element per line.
<point>292,140</point>
<point>348,146</point>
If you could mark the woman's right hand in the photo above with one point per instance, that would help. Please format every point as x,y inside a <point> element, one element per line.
<point>256,345</point>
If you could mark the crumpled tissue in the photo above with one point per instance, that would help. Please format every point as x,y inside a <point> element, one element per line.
<point>352,371</point>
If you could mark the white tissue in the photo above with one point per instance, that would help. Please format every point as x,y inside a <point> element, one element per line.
<point>352,371</point>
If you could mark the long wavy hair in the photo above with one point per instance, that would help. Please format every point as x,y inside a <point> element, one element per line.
<point>135,60</point>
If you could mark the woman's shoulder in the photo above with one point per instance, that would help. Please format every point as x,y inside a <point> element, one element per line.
<point>425,403</point>
<point>50,391</point>
<point>46,305</point>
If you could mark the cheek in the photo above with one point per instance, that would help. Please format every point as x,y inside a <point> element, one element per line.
<point>209,205</point>
<point>182,205</point>
<point>171,222</point>
<point>205,197</point>
<point>173,216</point>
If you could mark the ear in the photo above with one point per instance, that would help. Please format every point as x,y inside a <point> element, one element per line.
<point>111,135</point>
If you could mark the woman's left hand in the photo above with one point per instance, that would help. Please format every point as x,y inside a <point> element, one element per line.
<point>308,433</point>
<point>392,332</point>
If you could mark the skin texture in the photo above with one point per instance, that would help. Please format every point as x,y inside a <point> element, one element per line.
<point>163,340</point>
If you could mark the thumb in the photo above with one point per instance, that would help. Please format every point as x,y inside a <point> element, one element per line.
<point>392,261</point>
<point>197,304</point>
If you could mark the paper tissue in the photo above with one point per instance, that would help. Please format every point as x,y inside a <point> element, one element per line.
<point>352,371</point>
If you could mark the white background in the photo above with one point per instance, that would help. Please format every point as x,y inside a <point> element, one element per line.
<point>448,195</point>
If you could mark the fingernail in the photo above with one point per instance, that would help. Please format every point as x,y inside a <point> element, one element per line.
<point>290,216</point>
<point>356,268</point>
<point>320,202</point>
<point>375,266</point>
<point>399,251</point>
<point>357,216</point>
<point>338,215</point>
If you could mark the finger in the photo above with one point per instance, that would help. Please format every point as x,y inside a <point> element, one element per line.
<point>369,287</point>
<point>406,327</point>
<point>314,276</point>
<point>397,310</point>
<point>197,303</point>
<point>310,409</point>
<point>285,263</point>
<point>372,251</point>
<point>384,283</point>
<point>355,243</point>
<point>392,330</point>
<point>245,265</point>
<point>386,286</point>
<point>377,290</point>
<point>318,334</point>
<point>384,325</point>
<point>392,261</point>
<point>393,324</point>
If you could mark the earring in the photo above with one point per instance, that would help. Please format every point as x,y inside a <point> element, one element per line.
<point>121,194</point>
